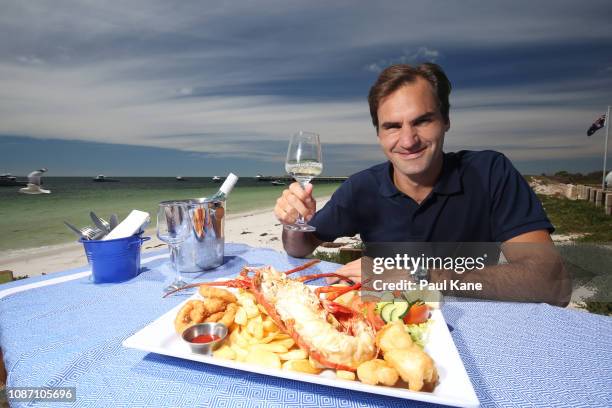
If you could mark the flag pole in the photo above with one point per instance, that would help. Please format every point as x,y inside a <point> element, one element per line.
<point>603,181</point>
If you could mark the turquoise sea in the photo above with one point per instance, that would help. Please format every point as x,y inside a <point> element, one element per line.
<point>28,221</point>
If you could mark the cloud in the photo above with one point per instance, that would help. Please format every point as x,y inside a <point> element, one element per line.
<point>422,54</point>
<point>213,77</point>
<point>29,60</point>
<point>185,91</point>
<point>80,105</point>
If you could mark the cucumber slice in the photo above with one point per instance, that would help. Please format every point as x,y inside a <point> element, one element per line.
<point>386,312</point>
<point>380,305</point>
<point>393,315</point>
<point>392,312</point>
<point>401,308</point>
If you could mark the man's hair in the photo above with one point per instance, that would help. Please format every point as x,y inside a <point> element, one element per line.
<point>396,76</point>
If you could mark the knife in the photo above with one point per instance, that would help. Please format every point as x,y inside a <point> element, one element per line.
<point>114,221</point>
<point>75,229</point>
<point>100,223</point>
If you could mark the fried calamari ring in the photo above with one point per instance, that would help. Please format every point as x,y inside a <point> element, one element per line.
<point>214,305</point>
<point>212,292</point>
<point>193,312</point>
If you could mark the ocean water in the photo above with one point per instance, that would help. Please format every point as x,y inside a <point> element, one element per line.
<point>28,221</point>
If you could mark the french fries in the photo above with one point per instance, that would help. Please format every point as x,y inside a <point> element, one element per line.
<point>255,338</point>
<point>225,352</point>
<point>271,347</point>
<point>302,366</point>
<point>263,358</point>
<point>297,354</point>
<point>345,375</point>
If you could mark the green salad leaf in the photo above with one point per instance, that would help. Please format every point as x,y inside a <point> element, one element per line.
<point>418,332</point>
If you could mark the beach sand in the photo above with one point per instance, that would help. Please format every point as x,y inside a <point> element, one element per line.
<point>257,228</point>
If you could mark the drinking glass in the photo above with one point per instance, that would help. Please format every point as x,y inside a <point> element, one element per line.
<point>303,164</point>
<point>173,228</point>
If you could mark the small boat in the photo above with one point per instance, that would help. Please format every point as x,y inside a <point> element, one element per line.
<point>101,178</point>
<point>216,179</point>
<point>180,178</point>
<point>8,180</point>
<point>277,183</point>
<point>259,177</point>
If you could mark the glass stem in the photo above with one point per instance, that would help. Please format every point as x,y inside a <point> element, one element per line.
<point>175,262</point>
<point>303,183</point>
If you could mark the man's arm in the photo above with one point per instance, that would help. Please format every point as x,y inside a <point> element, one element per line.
<point>534,273</point>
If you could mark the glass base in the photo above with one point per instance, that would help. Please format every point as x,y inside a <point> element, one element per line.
<point>300,227</point>
<point>177,284</point>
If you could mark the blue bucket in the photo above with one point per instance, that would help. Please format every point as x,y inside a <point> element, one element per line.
<point>115,260</point>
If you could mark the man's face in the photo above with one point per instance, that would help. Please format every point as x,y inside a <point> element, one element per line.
<point>411,128</point>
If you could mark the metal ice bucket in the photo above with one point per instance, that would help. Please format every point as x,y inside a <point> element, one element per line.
<point>204,247</point>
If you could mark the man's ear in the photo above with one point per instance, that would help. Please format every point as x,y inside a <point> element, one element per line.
<point>447,127</point>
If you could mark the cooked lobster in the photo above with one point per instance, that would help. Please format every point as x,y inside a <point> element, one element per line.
<point>334,335</point>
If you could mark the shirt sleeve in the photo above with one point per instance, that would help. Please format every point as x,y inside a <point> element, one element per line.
<point>515,209</point>
<point>336,218</point>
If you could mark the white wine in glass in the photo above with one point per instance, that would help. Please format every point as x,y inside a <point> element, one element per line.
<point>303,164</point>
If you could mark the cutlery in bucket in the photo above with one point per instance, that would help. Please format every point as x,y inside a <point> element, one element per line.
<point>99,222</point>
<point>114,221</point>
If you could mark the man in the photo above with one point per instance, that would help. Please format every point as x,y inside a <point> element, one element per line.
<point>423,194</point>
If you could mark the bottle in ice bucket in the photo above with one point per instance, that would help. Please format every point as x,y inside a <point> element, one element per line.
<point>226,188</point>
<point>220,196</point>
<point>204,248</point>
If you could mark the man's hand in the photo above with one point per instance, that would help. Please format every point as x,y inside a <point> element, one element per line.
<point>351,270</point>
<point>293,202</point>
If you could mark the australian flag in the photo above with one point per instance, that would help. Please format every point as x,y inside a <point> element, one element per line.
<point>598,124</point>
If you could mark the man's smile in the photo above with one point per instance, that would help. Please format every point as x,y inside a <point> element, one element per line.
<point>410,154</point>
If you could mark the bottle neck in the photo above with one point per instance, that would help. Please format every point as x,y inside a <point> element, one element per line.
<point>226,187</point>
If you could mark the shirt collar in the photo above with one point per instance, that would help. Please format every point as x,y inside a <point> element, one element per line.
<point>448,183</point>
<point>450,179</point>
<point>387,188</point>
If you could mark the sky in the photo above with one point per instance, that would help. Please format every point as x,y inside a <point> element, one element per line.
<point>198,88</point>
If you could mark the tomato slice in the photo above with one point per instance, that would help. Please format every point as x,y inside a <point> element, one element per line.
<point>418,313</point>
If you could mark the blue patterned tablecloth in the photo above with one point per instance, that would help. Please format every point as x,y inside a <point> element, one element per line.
<point>69,334</point>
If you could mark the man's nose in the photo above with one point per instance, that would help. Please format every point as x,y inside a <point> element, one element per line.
<point>408,137</point>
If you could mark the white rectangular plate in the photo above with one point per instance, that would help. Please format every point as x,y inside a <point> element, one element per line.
<point>454,387</point>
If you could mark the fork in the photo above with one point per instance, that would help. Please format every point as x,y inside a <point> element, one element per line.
<point>92,233</point>
<point>86,232</point>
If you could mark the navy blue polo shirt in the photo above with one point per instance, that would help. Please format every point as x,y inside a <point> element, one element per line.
<point>479,197</point>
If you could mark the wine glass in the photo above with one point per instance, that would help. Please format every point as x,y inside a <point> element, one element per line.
<point>303,164</point>
<point>173,228</point>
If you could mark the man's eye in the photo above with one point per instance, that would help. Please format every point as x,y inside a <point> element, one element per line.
<point>423,122</point>
<point>391,127</point>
